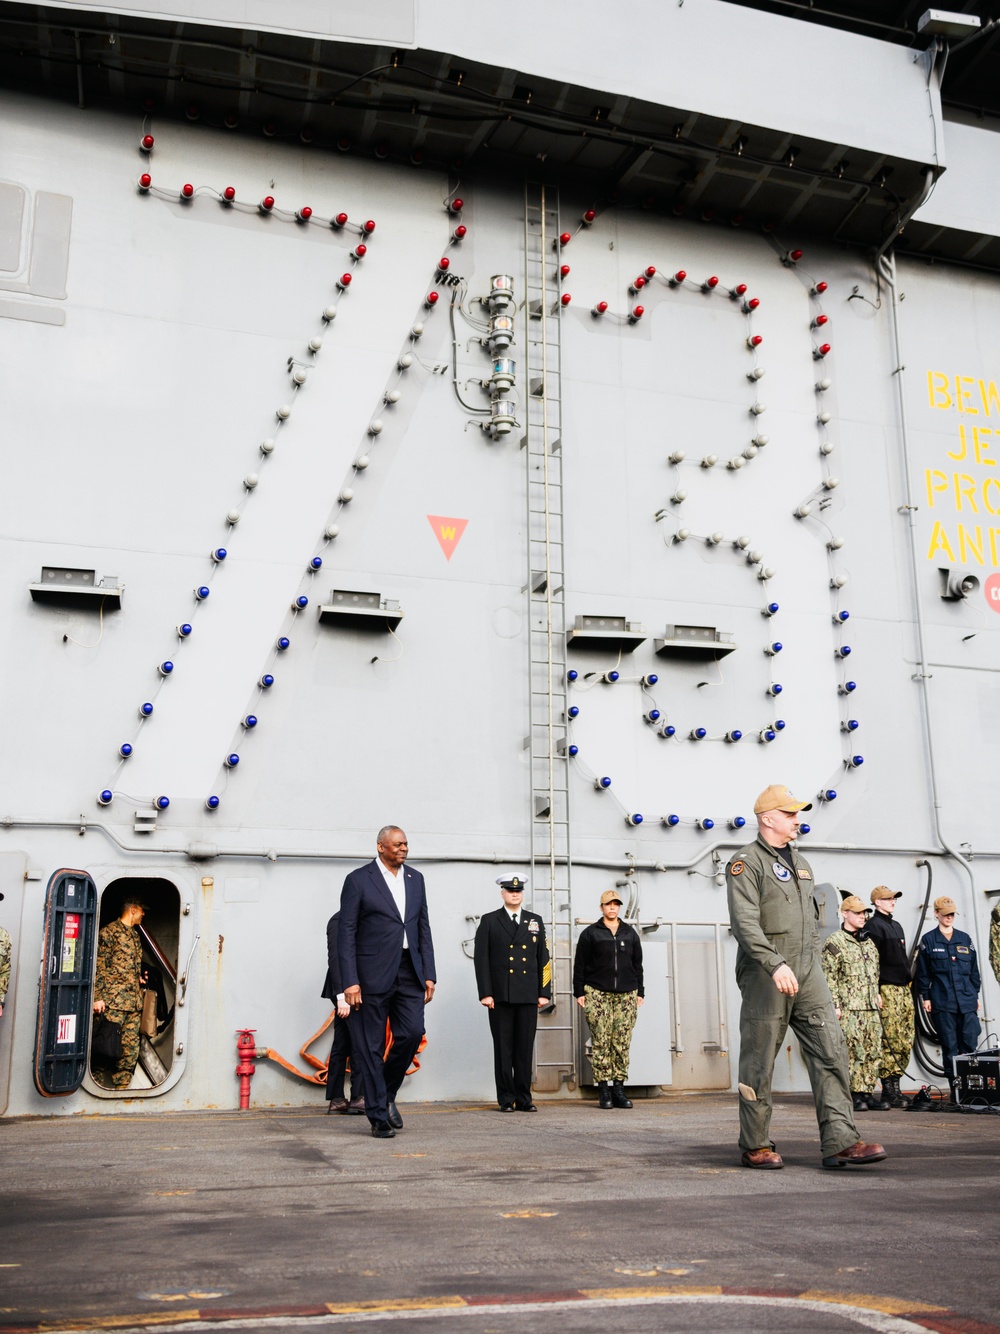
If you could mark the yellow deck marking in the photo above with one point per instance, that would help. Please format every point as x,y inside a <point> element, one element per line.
<point>122,1321</point>
<point>530,1213</point>
<point>887,1305</point>
<point>663,1290</point>
<point>394,1304</point>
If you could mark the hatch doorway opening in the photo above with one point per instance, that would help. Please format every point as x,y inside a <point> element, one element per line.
<point>158,934</point>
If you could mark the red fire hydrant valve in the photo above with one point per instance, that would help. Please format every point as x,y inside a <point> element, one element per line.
<point>246,1050</point>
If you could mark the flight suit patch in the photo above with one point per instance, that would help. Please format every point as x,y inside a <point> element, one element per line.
<point>736,868</point>
<point>961,949</point>
<point>804,874</point>
<point>782,872</point>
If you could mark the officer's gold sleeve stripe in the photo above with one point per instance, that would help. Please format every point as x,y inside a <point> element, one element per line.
<point>546,975</point>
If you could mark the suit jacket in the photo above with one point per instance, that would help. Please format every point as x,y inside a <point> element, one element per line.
<point>370,941</point>
<point>512,966</point>
<point>331,987</point>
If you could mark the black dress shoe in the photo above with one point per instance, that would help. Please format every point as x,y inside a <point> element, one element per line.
<point>393,1116</point>
<point>525,1107</point>
<point>506,1106</point>
<point>382,1130</point>
<point>355,1107</point>
<point>336,1105</point>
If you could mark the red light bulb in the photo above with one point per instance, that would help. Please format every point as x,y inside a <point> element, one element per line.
<point>459,232</point>
<point>368,227</point>
<point>565,238</point>
<point>346,279</point>
<point>564,271</point>
<point>456,205</point>
<point>740,289</point>
<point>267,203</point>
<point>306,134</point>
<point>823,349</point>
<point>589,216</point>
<point>360,251</point>
<point>820,320</point>
<point>431,299</point>
<point>381,151</point>
<point>637,314</point>
<point>344,144</point>
<point>819,289</point>
<point>187,191</point>
<point>231,121</point>
<point>145,181</point>
<point>146,143</point>
<point>304,213</point>
<point>565,299</point>
<point>795,256</point>
<point>339,220</point>
<point>638,283</point>
<point>600,308</point>
<point>651,271</point>
<point>679,276</point>
<point>444,263</point>
<point>192,112</point>
<point>755,341</point>
<point>269,129</point>
<point>712,282</point>
<point>753,303</point>
<point>229,194</point>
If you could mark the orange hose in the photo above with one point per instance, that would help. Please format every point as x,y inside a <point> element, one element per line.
<point>319,1078</point>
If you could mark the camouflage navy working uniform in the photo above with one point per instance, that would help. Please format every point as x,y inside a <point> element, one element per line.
<point>850,966</point>
<point>995,941</point>
<point>774,920</point>
<point>118,985</point>
<point>4,964</point>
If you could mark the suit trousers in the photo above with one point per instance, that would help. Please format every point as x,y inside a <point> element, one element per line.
<point>403,1006</point>
<point>513,1028</point>
<point>765,1018</point>
<point>336,1068</point>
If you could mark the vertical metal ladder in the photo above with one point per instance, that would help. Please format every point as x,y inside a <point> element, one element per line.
<point>546,742</point>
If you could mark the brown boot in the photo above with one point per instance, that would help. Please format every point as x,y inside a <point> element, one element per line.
<point>856,1155</point>
<point>762,1158</point>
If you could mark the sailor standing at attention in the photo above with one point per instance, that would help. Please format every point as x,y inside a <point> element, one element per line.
<point>773,917</point>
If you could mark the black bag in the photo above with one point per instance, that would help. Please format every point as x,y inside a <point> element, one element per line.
<point>106,1042</point>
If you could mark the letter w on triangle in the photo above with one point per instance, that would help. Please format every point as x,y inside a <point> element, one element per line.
<point>447,531</point>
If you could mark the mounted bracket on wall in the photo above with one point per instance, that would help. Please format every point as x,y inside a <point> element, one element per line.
<point>693,641</point>
<point>359,611</point>
<point>66,586</point>
<point>606,632</point>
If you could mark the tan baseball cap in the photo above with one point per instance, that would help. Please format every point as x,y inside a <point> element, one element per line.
<point>610,896</point>
<point>884,892</point>
<point>778,798</point>
<point>852,904</point>
<point>945,904</point>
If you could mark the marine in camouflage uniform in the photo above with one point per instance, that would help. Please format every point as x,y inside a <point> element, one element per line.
<point>4,965</point>
<point>995,941</point>
<point>850,966</point>
<point>119,984</point>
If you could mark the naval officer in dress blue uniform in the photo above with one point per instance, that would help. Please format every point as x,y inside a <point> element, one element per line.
<point>514,977</point>
<point>948,984</point>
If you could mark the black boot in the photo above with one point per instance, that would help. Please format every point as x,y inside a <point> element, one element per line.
<point>891,1092</point>
<point>876,1102</point>
<point>618,1098</point>
<point>860,1102</point>
<point>604,1096</point>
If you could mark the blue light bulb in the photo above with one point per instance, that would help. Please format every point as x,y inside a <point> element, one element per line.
<point>282,643</point>
<point>770,609</point>
<point>316,563</point>
<point>804,828</point>
<point>847,687</point>
<point>768,734</point>
<point>636,818</point>
<point>671,820</point>
<point>843,615</point>
<point>670,730</point>
<point>737,822</point>
<point>706,823</point>
<point>232,760</point>
<point>202,593</point>
<point>572,674</point>
<point>145,710</point>
<point>778,724</point>
<point>219,554</point>
<point>613,676</point>
<point>734,735</point>
<point>652,715</point>
<point>106,797</point>
<point>301,602</point>
<point>844,651</point>
<point>850,725</point>
<point>165,668</point>
<point>184,630</point>
<point>161,803</point>
<point>250,720</point>
<point>573,750</point>
<point>651,679</point>
<point>698,734</point>
<point>776,647</point>
<point>775,689</point>
<point>602,782</point>
<point>212,803</point>
<point>267,681</point>
<point>856,761</point>
<point>125,749</point>
<point>573,711</point>
<point>828,794</point>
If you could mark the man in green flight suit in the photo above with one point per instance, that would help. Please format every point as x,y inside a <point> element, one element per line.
<point>119,984</point>
<point>773,917</point>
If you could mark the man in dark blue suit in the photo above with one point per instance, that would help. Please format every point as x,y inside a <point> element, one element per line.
<point>387,968</point>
